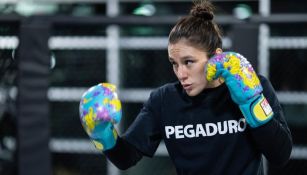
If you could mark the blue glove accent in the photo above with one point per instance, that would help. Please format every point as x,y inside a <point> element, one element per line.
<point>257,111</point>
<point>104,136</point>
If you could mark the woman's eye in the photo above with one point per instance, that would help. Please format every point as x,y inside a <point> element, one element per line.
<point>173,63</point>
<point>188,62</point>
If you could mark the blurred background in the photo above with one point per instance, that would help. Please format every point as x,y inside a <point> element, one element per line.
<point>51,51</point>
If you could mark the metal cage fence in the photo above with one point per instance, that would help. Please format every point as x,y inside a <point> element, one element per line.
<point>137,64</point>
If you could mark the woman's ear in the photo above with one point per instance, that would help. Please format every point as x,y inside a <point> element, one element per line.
<point>218,51</point>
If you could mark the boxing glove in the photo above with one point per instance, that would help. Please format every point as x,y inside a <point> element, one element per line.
<point>244,86</point>
<point>99,110</point>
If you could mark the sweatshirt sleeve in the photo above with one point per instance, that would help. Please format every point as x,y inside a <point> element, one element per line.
<point>123,155</point>
<point>274,138</point>
<point>142,138</point>
<point>145,132</point>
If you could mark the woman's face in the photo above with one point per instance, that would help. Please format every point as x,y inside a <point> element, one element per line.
<point>188,64</point>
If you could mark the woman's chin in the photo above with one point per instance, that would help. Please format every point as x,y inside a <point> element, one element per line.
<point>192,92</point>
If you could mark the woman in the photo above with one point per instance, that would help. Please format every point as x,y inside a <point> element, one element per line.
<point>215,119</point>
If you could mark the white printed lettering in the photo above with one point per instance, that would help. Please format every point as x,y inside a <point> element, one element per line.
<point>220,127</point>
<point>200,130</point>
<point>213,131</point>
<point>189,131</point>
<point>207,129</point>
<point>169,130</point>
<point>242,123</point>
<point>179,132</point>
<point>232,126</point>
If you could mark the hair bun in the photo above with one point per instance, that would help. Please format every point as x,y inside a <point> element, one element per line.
<point>203,10</point>
<point>203,14</point>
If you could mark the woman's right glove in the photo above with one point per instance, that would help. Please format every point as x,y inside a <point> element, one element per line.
<point>100,109</point>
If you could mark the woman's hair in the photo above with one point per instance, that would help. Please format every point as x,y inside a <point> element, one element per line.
<point>198,28</point>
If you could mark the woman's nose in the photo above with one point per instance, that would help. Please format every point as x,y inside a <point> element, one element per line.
<point>182,73</point>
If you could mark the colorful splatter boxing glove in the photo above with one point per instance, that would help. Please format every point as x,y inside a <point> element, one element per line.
<point>99,110</point>
<point>244,86</point>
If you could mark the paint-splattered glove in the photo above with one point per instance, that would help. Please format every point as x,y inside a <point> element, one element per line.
<point>100,109</point>
<point>244,86</point>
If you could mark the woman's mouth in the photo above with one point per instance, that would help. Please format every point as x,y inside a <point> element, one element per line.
<point>187,86</point>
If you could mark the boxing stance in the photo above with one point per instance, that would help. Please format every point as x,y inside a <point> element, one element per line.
<point>220,117</point>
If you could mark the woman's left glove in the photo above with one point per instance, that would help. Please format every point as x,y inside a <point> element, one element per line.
<point>244,86</point>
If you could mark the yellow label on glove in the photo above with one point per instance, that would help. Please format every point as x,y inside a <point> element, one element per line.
<point>262,109</point>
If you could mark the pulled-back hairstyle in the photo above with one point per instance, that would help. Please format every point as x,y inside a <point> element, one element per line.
<point>198,28</point>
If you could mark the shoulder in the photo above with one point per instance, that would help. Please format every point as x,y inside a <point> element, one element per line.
<point>262,78</point>
<point>268,89</point>
<point>265,82</point>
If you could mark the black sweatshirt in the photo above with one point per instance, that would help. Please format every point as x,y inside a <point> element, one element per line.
<point>206,134</point>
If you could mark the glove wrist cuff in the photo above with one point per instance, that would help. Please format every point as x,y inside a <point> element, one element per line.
<point>257,112</point>
<point>107,140</point>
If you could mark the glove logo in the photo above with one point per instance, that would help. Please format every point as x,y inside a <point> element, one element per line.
<point>262,109</point>
<point>266,107</point>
